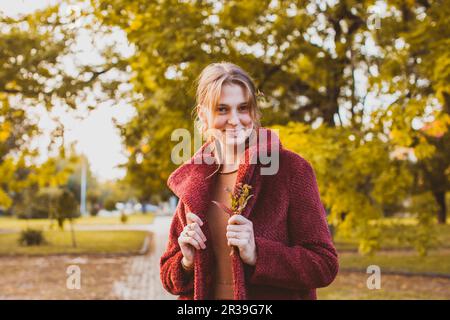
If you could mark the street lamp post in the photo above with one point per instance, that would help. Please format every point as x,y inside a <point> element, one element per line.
<point>83,187</point>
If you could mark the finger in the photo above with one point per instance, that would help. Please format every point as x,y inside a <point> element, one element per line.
<point>237,242</point>
<point>197,237</point>
<point>192,242</point>
<point>237,235</point>
<point>238,219</point>
<point>237,227</point>
<point>197,229</point>
<point>185,231</point>
<point>192,217</point>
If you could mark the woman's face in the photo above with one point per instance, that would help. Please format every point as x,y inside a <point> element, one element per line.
<point>231,120</point>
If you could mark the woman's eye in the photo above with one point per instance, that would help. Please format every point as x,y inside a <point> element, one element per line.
<point>222,109</point>
<point>243,108</point>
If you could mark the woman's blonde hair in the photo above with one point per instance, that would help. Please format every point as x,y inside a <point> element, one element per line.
<point>209,87</point>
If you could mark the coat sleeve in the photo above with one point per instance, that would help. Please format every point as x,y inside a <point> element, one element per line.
<point>310,260</point>
<point>174,279</point>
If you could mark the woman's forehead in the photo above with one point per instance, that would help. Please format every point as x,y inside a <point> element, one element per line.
<point>232,94</point>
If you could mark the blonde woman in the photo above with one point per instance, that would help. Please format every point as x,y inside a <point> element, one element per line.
<point>282,245</point>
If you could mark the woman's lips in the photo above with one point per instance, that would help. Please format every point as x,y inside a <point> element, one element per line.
<point>232,132</point>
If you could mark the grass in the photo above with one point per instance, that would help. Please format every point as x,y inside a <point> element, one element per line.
<point>353,286</point>
<point>395,261</point>
<point>11,223</point>
<point>88,242</point>
<point>389,237</point>
<point>401,267</point>
<point>437,261</point>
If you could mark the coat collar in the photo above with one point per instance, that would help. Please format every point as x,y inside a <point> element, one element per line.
<point>193,180</point>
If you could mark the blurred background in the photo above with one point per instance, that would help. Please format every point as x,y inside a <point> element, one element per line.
<point>91,90</point>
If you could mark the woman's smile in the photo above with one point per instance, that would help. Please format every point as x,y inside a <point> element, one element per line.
<point>232,132</point>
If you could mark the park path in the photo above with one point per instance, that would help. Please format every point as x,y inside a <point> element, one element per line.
<point>142,281</point>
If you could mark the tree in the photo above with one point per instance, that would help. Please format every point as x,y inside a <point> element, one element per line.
<point>33,49</point>
<point>25,181</point>
<point>61,205</point>
<point>31,54</point>
<point>111,192</point>
<point>357,176</point>
<point>312,60</point>
<point>414,67</point>
<point>303,56</point>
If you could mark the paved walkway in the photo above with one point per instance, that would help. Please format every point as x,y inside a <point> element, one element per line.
<point>142,281</point>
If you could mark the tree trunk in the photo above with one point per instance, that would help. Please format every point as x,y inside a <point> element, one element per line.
<point>442,213</point>
<point>74,242</point>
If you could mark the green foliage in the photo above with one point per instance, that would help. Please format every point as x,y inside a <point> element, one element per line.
<point>357,177</point>
<point>31,237</point>
<point>425,209</point>
<point>55,203</point>
<point>32,47</point>
<point>110,204</point>
<point>413,67</point>
<point>303,79</point>
<point>307,57</point>
<point>33,51</point>
<point>111,192</point>
<point>26,181</point>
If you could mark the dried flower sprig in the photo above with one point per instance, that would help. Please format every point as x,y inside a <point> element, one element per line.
<point>239,199</point>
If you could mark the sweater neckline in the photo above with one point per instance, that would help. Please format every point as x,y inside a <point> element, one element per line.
<point>235,170</point>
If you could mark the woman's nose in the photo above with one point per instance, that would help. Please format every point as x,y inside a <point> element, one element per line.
<point>234,119</point>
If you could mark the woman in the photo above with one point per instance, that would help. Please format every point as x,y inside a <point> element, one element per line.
<point>282,245</point>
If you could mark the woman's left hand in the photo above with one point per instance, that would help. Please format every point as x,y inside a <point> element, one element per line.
<point>240,234</point>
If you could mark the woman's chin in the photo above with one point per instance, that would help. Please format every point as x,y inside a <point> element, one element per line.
<point>233,141</point>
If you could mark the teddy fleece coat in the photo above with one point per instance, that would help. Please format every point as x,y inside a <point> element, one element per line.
<point>295,254</point>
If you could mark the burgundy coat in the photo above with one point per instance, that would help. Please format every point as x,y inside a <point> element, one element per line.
<point>295,254</point>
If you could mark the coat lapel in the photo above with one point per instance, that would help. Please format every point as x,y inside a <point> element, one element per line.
<point>192,183</point>
<point>266,143</point>
<point>250,174</point>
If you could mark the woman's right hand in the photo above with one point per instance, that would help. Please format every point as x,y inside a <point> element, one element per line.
<point>191,238</point>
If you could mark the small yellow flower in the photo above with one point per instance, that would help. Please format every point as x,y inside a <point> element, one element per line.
<point>239,200</point>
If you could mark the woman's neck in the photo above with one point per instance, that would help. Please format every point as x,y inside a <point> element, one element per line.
<point>231,156</point>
